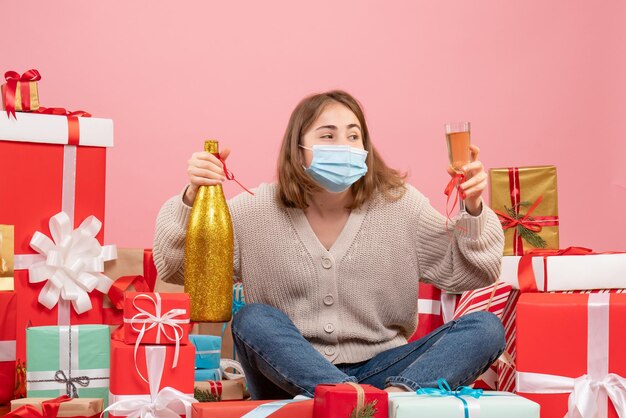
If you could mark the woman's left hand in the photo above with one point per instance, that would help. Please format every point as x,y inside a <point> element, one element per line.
<point>475,183</point>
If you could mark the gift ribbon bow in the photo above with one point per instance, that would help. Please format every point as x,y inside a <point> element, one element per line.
<point>49,409</point>
<point>161,403</point>
<point>525,222</point>
<point>445,390</point>
<point>453,187</point>
<point>12,79</point>
<point>70,383</point>
<point>231,364</point>
<point>534,224</point>
<point>590,392</point>
<point>74,262</point>
<point>162,321</point>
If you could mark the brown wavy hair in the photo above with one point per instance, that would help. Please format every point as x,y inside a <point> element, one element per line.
<point>295,187</point>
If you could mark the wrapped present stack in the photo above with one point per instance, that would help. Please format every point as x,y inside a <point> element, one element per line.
<point>569,299</point>
<point>51,248</point>
<point>154,363</point>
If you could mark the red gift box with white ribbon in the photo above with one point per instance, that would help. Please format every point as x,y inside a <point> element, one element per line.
<point>54,163</point>
<point>140,381</point>
<point>570,353</point>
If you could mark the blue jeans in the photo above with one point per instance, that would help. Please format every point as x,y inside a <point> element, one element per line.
<point>280,363</point>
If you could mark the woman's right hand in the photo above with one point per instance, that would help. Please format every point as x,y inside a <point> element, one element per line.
<point>204,169</point>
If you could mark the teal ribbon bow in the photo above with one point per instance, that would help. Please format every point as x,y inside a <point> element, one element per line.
<point>445,390</point>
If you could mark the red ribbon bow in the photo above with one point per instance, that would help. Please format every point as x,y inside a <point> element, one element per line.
<point>49,409</point>
<point>454,183</point>
<point>73,127</point>
<point>12,79</point>
<point>530,224</point>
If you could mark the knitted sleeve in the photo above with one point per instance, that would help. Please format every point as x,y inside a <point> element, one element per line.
<point>466,256</point>
<point>169,240</point>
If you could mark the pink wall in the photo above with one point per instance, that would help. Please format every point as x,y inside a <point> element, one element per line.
<point>542,83</point>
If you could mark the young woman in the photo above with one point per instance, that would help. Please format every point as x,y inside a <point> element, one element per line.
<point>331,255</point>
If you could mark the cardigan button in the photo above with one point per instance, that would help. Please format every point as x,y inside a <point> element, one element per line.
<point>327,262</point>
<point>329,300</point>
<point>329,328</point>
<point>329,350</point>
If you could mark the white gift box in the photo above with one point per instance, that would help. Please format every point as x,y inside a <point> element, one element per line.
<point>570,272</point>
<point>53,129</point>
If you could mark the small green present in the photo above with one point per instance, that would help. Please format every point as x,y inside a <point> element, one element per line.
<point>68,360</point>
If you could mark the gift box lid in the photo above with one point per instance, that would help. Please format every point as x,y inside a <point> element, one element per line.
<point>54,129</point>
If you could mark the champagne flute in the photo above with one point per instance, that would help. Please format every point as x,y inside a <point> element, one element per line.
<point>459,153</point>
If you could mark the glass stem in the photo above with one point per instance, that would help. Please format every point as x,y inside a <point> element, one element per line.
<point>462,205</point>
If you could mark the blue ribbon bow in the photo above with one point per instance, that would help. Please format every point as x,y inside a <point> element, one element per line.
<point>445,390</point>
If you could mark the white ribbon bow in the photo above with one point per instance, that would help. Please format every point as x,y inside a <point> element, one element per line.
<point>584,391</point>
<point>583,399</point>
<point>230,364</point>
<point>74,262</point>
<point>166,403</point>
<point>159,320</point>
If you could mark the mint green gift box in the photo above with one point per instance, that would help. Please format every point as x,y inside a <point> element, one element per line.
<point>491,404</point>
<point>61,359</point>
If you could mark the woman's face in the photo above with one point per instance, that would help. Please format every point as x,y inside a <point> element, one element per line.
<point>336,125</point>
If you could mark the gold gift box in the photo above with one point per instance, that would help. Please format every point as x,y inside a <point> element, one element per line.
<point>77,407</point>
<point>7,250</point>
<point>34,96</point>
<point>534,182</point>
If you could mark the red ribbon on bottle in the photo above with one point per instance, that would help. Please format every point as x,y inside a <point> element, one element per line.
<point>454,183</point>
<point>73,126</point>
<point>535,224</point>
<point>12,79</point>
<point>229,174</point>
<point>49,409</point>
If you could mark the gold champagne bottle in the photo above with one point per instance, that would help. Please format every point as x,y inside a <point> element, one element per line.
<point>209,253</point>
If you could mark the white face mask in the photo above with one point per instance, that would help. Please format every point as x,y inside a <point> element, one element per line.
<point>336,167</point>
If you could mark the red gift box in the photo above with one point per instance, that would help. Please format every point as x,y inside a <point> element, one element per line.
<point>571,347</point>
<point>8,311</point>
<point>340,400</point>
<point>235,409</point>
<point>150,377</point>
<point>156,318</point>
<point>74,182</point>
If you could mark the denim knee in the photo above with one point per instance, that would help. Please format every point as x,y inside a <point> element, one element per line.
<point>254,318</point>
<point>489,330</point>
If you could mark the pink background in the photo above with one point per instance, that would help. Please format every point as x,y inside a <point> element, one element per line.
<point>541,82</point>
